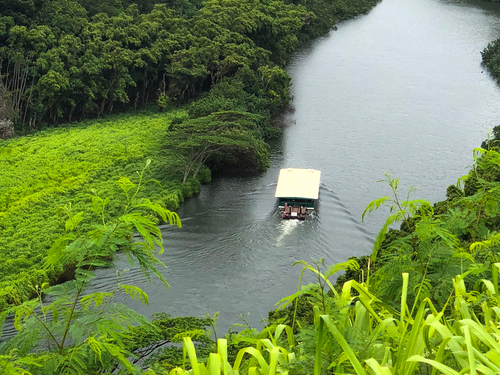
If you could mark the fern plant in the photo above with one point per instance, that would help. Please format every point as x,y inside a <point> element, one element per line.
<point>76,332</point>
<point>428,247</point>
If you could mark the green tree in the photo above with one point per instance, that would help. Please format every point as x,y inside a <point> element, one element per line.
<point>228,95</point>
<point>110,7</point>
<point>196,140</point>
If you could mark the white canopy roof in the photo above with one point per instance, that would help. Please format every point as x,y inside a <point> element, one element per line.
<point>298,183</point>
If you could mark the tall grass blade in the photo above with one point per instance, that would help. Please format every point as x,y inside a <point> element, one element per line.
<point>439,366</point>
<point>494,276</point>
<point>214,364</point>
<point>470,350</point>
<point>404,295</point>
<point>377,369</point>
<point>318,358</point>
<point>343,343</point>
<point>264,367</point>
<point>273,360</point>
<point>191,351</point>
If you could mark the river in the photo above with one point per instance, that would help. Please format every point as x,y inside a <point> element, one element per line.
<point>402,90</point>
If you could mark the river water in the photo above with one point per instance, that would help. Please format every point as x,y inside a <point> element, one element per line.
<point>402,90</point>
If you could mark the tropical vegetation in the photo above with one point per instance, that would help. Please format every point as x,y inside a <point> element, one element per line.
<point>66,330</point>
<point>426,301</point>
<point>48,175</point>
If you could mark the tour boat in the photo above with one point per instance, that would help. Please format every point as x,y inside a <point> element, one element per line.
<point>297,191</point>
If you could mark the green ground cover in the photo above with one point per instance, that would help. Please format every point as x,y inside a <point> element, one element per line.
<point>40,174</point>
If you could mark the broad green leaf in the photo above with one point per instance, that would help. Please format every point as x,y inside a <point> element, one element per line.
<point>439,366</point>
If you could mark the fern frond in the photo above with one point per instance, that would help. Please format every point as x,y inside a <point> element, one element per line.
<point>136,293</point>
<point>97,298</point>
<point>374,205</point>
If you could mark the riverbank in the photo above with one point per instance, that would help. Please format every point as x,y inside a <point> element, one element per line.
<point>424,121</point>
<point>460,197</point>
<point>437,248</point>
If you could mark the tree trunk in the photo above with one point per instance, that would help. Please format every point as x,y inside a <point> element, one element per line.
<point>196,170</point>
<point>6,128</point>
<point>6,114</point>
<point>185,174</point>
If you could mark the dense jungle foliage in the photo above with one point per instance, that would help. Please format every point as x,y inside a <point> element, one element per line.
<point>67,60</point>
<point>491,58</point>
<point>464,229</point>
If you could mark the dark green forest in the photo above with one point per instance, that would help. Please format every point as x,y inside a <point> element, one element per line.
<point>68,60</point>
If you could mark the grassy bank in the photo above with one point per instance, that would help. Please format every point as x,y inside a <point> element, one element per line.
<point>42,173</point>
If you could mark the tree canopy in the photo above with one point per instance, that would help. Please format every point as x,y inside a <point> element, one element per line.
<point>67,60</point>
<point>197,140</point>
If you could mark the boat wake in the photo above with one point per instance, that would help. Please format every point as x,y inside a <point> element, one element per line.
<point>287,226</point>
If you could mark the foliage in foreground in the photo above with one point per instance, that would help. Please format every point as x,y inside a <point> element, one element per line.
<point>68,331</point>
<point>354,332</point>
<point>437,242</point>
<point>442,316</point>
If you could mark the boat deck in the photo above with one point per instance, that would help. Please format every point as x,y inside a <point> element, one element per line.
<point>295,212</point>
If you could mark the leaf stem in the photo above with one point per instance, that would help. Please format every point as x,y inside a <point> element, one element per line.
<point>66,330</point>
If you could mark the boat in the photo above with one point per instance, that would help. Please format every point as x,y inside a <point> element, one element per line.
<point>297,191</point>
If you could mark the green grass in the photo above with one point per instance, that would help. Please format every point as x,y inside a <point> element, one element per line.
<point>41,173</point>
